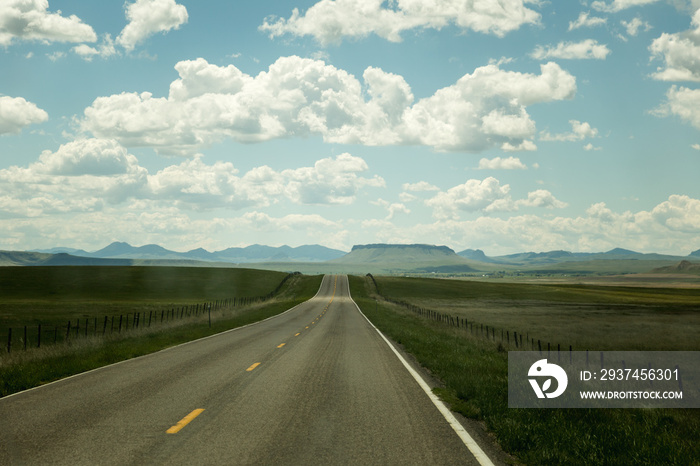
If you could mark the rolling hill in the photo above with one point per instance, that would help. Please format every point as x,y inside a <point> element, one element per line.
<point>683,267</point>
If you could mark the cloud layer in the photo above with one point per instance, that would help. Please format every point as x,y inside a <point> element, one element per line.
<point>88,175</point>
<point>300,97</point>
<point>330,21</point>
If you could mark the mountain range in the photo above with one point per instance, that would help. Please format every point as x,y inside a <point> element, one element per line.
<point>374,258</point>
<point>554,257</point>
<point>254,253</point>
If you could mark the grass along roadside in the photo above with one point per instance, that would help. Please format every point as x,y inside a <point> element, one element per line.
<point>585,317</point>
<point>474,373</point>
<point>22,370</point>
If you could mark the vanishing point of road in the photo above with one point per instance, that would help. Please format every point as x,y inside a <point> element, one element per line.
<point>317,384</point>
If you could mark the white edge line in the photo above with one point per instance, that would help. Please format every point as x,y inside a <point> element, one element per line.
<point>476,450</point>
<point>164,349</point>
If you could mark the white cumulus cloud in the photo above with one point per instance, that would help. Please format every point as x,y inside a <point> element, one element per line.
<point>487,195</point>
<point>541,198</point>
<point>104,49</point>
<point>419,186</point>
<point>330,21</point>
<point>90,175</point>
<point>31,20</point>
<point>635,25</point>
<point>585,20</point>
<point>16,113</point>
<point>300,97</point>
<point>329,181</point>
<point>472,196</point>
<point>148,17</point>
<point>680,52</point>
<point>579,131</point>
<point>683,103</point>
<point>498,163</point>
<point>584,50</point>
<point>619,5</point>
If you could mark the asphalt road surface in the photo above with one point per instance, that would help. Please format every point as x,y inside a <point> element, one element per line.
<point>315,385</point>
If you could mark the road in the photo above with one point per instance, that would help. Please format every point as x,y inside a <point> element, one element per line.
<point>315,385</point>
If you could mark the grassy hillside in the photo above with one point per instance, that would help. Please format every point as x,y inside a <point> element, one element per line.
<point>30,295</point>
<point>133,283</point>
<point>584,316</point>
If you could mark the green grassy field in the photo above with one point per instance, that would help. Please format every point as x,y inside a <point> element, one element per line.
<point>53,295</point>
<point>582,316</point>
<point>474,372</point>
<point>117,291</point>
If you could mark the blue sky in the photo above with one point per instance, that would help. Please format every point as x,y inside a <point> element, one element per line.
<point>507,126</point>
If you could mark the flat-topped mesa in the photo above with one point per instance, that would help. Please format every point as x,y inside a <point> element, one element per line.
<point>424,247</point>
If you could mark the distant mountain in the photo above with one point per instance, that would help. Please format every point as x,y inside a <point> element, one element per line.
<point>622,252</point>
<point>76,252</point>
<point>126,251</point>
<point>531,258</point>
<point>476,255</point>
<point>375,258</point>
<point>407,257</point>
<point>254,253</point>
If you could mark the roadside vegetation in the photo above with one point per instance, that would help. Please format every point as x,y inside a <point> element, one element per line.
<point>59,294</point>
<point>585,317</point>
<point>474,371</point>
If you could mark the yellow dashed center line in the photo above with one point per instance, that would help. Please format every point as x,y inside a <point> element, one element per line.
<point>297,334</point>
<point>281,345</point>
<point>253,367</point>
<point>185,420</point>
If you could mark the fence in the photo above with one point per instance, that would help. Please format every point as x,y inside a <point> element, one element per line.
<point>513,339</point>
<point>37,335</point>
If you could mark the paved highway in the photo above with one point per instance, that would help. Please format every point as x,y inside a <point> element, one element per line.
<point>315,385</point>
